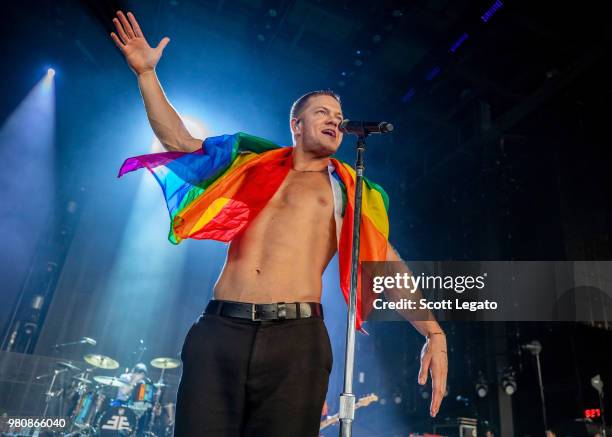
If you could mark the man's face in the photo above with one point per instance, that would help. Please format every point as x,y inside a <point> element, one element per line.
<point>316,128</point>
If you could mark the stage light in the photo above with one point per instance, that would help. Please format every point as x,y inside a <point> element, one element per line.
<point>458,42</point>
<point>482,388</point>
<point>491,11</point>
<point>509,386</point>
<point>408,95</point>
<point>48,81</point>
<point>432,73</point>
<point>508,381</point>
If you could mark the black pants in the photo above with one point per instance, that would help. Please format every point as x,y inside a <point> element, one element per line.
<point>255,379</point>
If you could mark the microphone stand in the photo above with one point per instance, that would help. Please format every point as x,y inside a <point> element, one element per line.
<point>535,347</point>
<point>347,398</point>
<point>603,417</point>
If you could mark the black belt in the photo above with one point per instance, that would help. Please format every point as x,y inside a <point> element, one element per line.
<point>265,311</point>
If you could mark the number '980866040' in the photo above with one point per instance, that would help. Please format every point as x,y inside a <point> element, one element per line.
<point>48,423</point>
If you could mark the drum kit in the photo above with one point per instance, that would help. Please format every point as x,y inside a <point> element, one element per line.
<point>97,408</point>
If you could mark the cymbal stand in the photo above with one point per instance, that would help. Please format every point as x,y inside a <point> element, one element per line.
<point>49,396</point>
<point>156,410</point>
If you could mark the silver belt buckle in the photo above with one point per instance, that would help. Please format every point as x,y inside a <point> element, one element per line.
<point>253,313</point>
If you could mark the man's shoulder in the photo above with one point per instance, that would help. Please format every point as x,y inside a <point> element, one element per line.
<point>239,142</point>
<point>253,143</point>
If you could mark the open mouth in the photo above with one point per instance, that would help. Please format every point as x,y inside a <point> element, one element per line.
<point>330,132</point>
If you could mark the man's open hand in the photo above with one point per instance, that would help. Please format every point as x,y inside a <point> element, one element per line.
<point>140,56</point>
<point>434,360</point>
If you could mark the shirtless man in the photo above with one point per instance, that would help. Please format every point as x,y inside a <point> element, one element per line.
<point>266,377</point>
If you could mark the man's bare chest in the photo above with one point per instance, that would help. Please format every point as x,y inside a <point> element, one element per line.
<point>308,194</point>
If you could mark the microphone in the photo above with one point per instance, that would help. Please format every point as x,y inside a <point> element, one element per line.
<point>83,340</point>
<point>364,128</point>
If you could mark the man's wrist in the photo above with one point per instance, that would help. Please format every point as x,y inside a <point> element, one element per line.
<point>146,73</point>
<point>432,333</point>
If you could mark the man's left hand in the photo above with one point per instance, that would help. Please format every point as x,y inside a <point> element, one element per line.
<point>434,360</point>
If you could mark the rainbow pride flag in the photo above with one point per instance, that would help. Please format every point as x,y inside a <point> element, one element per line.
<point>215,192</point>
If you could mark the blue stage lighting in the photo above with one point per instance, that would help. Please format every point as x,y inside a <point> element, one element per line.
<point>491,11</point>
<point>458,42</point>
<point>432,73</point>
<point>50,72</point>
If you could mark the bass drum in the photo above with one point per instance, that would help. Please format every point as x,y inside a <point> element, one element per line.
<point>117,421</point>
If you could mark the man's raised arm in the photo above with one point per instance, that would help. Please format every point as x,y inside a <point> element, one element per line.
<point>142,59</point>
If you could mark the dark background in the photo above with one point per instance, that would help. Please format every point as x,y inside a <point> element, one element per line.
<point>500,152</point>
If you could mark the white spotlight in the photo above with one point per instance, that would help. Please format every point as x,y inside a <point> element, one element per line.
<point>50,72</point>
<point>482,390</point>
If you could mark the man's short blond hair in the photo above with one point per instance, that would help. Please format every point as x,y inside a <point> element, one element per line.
<point>299,104</point>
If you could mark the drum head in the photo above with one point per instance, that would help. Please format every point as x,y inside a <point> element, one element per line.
<point>117,421</point>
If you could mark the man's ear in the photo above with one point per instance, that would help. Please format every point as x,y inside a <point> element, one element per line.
<point>296,125</point>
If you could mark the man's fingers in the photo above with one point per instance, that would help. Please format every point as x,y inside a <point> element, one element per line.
<point>425,361</point>
<point>126,25</point>
<point>135,25</point>
<point>439,370</point>
<point>436,399</point>
<point>162,44</point>
<point>120,31</point>
<point>437,393</point>
<point>118,42</point>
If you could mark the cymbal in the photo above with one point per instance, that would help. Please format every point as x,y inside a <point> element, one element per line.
<point>68,365</point>
<point>101,361</point>
<point>161,384</point>
<point>165,363</point>
<point>81,379</point>
<point>110,381</point>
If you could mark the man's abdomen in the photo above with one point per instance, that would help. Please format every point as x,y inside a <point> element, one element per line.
<point>279,258</point>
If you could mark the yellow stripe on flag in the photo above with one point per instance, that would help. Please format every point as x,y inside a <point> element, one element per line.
<point>373,206</point>
<point>210,213</point>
